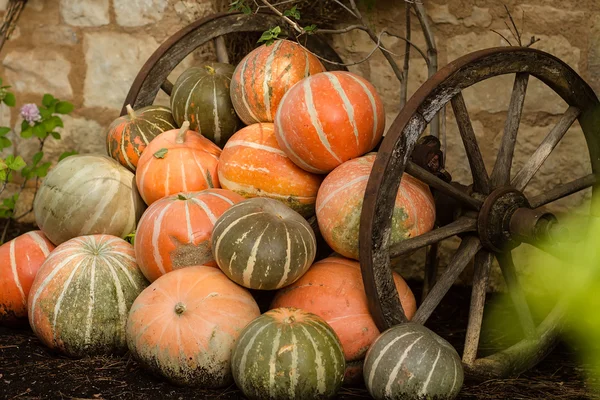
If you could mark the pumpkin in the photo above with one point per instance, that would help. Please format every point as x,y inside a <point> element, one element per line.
<point>410,362</point>
<point>184,325</point>
<point>201,96</point>
<point>175,231</point>
<point>333,289</point>
<point>253,165</point>
<point>260,243</point>
<point>80,298</point>
<point>20,260</point>
<point>288,353</point>
<point>129,135</point>
<point>87,195</point>
<point>340,199</point>
<point>262,78</point>
<point>177,161</point>
<point>329,118</point>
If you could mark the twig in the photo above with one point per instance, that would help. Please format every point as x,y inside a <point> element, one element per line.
<point>15,7</point>
<point>514,25</point>
<point>294,25</point>
<point>343,30</point>
<point>404,84</point>
<point>414,46</point>
<point>502,36</point>
<point>377,46</point>
<point>5,231</point>
<point>345,7</point>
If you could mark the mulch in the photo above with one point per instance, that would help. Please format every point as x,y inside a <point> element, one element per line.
<point>28,370</point>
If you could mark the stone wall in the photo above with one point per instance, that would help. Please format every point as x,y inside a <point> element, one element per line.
<point>89,51</point>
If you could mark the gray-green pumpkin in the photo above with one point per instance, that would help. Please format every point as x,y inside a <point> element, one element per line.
<point>288,353</point>
<point>260,243</point>
<point>410,362</point>
<point>201,96</point>
<point>86,195</point>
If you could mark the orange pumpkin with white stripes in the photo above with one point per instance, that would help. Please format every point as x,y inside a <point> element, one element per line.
<point>333,289</point>
<point>128,136</point>
<point>184,325</point>
<point>178,160</point>
<point>80,298</point>
<point>340,200</point>
<point>20,260</point>
<point>262,78</point>
<point>253,165</point>
<point>329,118</point>
<point>175,231</point>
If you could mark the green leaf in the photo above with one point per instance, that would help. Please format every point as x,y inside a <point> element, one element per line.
<point>161,153</point>
<point>67,154</point>
<point>64,107</point>
<point>45,113</point>
<point>181,197</point>
<point>40,131</point>
<point>47,100</point>
<point>269,36</point>
<point>9,99</point>
<point>37,157</point>
<point>15,164</point>
<point>4,130</point>
<point>3,175</point>
<point>27,133</point>
<point>4,143</point>
<point>55,135</point>
<point>310,29</point>
<point>2,165</point>
<point>130,238</point>
<point>27,172</point>
<point>42,170</point>
<point>240,5</point>
<point>292,12</point>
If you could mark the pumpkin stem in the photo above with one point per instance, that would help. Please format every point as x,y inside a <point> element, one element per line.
<point>181,135</point>
<point>289,320</point>
<point>210,69</point>
<point>130,111</point>
<point>179,308</point>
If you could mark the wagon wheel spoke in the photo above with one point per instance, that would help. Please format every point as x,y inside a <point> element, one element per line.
<point>467,249</point>
<point>516,293</point>
<point>546,147</point>
<point>482,265</point>
<point>563,191</point>
<point>461,225</point>
<point>167,87</point>
<point>481,180</point>
<point>444,187</point>
<point>501,171</point>
<point>431,266</point>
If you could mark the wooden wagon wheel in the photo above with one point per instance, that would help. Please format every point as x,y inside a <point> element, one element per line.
<point>153,75</point>
<point>494,216</point>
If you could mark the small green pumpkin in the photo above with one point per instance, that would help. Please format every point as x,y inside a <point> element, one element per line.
<point>260,243</point>
<point>201,96</point>
<point>288,353</point>
<point>410,362</point>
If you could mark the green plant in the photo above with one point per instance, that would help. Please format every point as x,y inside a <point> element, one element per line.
<point>39,122</point>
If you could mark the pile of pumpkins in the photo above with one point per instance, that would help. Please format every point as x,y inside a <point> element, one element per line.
<point>218,190</point>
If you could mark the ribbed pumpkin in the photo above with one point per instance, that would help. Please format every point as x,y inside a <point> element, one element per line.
<point>410,362</point>
<point>129,135</point>
<point>201,96</point>
<point>253,165</point>
<point>184,325</point>
<point>262,78</point>
<point>340,199</point>
<point>260,243</point>
<point>175,231</point>
<point>81,296</point>
<point>179,160</point>
<point>329,118</point>
<point>20,260</point>
<point>87,195</point>
<point>288,353</point>
<point>334,290</point>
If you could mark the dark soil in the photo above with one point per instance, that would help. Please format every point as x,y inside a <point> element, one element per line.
<point>30,371</point>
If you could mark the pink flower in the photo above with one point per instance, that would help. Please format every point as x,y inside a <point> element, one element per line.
<point>30,113</point>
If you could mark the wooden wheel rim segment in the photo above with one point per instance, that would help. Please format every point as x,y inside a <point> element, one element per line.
<point>153,75</point>
<point>393,158</point>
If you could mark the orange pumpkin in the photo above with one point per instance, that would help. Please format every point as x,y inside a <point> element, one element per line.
<point>333,289</point>
<point>261,79</point>
<point>185,324</point>
<point>177,161</point>
<point>329,118</point>
<point>129,135</point>
<point>253,165</point>
<point>20,260</point>
<point>175,231</point>
<point>340,199</point>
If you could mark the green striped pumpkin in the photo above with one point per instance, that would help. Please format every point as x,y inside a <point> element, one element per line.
<point>261,243</point>
<point>80,298</point>
<point>410,362</point>
<point>288,353</point>
<point>201,96</point>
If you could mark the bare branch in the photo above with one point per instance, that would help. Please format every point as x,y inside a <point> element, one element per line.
<point>377,46</point>
<point>512,21</point>
<point>502,36</point>
<point>294,25</point>
<point>414,46</point>
<point>343,30</point>
<point>404,84</point>
<point>13,11</point>
<point>346,8</point>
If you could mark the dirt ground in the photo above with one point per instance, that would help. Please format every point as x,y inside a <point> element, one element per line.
<point>30,371</point>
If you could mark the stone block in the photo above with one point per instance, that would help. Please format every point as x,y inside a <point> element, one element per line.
<point>85,12</point>
<point>139,12</point>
